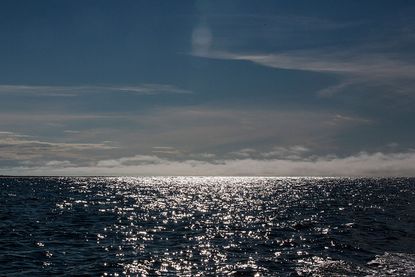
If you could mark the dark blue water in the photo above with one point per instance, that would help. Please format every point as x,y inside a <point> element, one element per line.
<point>187,226</point>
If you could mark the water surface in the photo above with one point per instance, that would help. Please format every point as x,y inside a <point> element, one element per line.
<point>198,226</point>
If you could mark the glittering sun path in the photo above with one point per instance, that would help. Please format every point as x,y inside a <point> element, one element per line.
<point>198,226</point>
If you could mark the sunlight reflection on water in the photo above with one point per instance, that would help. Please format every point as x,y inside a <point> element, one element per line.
<point>191,226</point>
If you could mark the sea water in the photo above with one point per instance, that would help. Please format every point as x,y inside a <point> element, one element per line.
<point>207,226</point>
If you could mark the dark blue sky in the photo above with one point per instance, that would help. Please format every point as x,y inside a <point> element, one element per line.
<point>207,87</point>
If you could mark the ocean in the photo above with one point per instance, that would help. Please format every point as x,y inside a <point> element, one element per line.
<point>207,226</point>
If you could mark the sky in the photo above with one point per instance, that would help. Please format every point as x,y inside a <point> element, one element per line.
<point>269,88</point>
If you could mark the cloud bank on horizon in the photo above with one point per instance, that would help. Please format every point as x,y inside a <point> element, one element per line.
<point>207,88</point>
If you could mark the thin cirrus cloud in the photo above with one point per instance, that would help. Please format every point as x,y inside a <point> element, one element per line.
<point>67,91</point>
<point>292,152</point>
<point>324,60</point>
<point>357,69</point>
<point>310,44</point>
<point>19,147</point>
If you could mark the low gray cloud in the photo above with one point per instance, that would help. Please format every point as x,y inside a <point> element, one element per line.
<point>244,153</point>
<point>361,164</point>
<point>173,132</point>
<point>225,127</point>
<point>292,152</point>
<point>167,150</point>
<point>17,147</point>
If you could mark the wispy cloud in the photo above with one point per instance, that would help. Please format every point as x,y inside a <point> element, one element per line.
<point>309,44</point>
<point>174,132</point>
<point>71,131</point>
<point>292,152</point>
<point>19,147</point>
<point>328,60</point>
<point>361,164</point>
<point>168,150</point>
<point>67,91</point>
<point>226,127</point>
<point>243,153</point>
<point>131,161</point>
<point>382,72</point>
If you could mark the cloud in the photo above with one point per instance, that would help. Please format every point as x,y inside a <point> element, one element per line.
<point>168,150</point>
<point>17,147</point>
<point>205,155</point>
<point>332,90</point>
<point>12,141</point>
<point>138,160</point>
<point>174,133</point>
<point>71,131</point>
<point>165,149</point>
<point>245,152</point>
<point>361,164</point>
<point>170,131</point>
<point>329,61</point>
<point>277,152</point>
<point>68,91</point>
<point>221,127</point>
<point>310,44</point>
<point>358,70</point>
<point>59,164</point>
<point>292,152</point>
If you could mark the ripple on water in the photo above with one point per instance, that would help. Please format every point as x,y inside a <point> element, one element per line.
<point>207,226</point>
